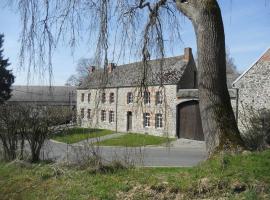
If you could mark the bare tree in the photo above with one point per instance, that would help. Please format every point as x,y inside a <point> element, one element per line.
<point>140,24</point>
<point>83,69</point>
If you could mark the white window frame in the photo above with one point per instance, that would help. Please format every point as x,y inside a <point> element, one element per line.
<point>129,98</point>
<point>103,115</point>
<point>159,120</point>
<point>111,116</point>
<point>146,120</point>
<point>147,98</point>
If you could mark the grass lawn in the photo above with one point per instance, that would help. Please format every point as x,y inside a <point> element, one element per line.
<point>225,177</point>
<point>74,135</point>
<point>135,140</point>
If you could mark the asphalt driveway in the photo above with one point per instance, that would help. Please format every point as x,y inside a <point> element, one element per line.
<point>180,153</point>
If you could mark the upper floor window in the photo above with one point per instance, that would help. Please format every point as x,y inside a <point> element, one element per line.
<point>111,97</point>
<point>146,97</point>
<point>88,113</point>
<point>158,98</point>
<point>103,115</point>
<point>159,120</point>
<point>89,97</point>
<point>103,97</point>
<point>82,97</point>
<point>129,97</point>
<point>146,119</point>
<point>82,113</point>
<point>111,116</point>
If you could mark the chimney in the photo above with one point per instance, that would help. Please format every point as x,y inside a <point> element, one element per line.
<point>92,69</point>
<point>188,54</point>
<point>111,67</point>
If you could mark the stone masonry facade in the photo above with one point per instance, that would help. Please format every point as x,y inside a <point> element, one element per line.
<point>254,90</point>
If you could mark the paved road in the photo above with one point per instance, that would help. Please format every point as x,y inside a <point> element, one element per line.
<point>181,153</point>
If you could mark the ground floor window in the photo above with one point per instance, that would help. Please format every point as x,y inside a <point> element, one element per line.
<point>88,113</point>
<point>146,119</point>
<point>103,115</point>
<point>82,113</point>
<point>159,120</point>
<point>111,116</point>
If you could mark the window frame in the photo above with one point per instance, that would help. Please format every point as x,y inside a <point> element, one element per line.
<point>89,97</point>
<point>111,116</point>
<point>146,120</point>
<point>103,115</point>
<point>111,97</point>
<point>129,98</point>
<point>147,98</point>
<point>159,120</point>
<point>89,113</point>
<point>82,113</point>
<point>159,98</point>
<point>103,97</point>
<point>82,97</point>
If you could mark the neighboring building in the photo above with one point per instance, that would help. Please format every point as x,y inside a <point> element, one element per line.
<point>117,101</point>
<point>44,95</point>
<point>254,90</point>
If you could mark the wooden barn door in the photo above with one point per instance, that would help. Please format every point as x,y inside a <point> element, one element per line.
<point>189,123</point>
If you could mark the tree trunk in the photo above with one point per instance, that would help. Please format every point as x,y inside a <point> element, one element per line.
<point>218,121</point>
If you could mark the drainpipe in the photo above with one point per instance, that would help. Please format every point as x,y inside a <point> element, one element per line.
<point>237,105</point>
<point>116,111</point>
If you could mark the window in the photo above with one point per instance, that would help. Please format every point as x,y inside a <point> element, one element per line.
<point>111,97</point>
<point>159,123</point>
<point>111,116</point>
<point>89,97</point>
<point>82,97</point>
<point>158,98</point>
<point>88,113</point>
<point>103,97</point>
<point>103,115</point>
<point>146,119</point>
<point>82,113</point>
<point>129,97</point>
<point>146,97</point>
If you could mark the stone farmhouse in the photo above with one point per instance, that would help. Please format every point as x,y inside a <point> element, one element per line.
<point>253,88</point>
<point>121,104</point>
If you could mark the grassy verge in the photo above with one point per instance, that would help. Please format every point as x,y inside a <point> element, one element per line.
<point>226,177</point>
<point>74,135</point>
<point>135,140</point>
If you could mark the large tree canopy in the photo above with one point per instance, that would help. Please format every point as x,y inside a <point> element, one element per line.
<point>118,27</point>
<point>6,77</point>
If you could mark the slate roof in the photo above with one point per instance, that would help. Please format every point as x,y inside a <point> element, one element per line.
<point>131,74</point>
<point>60,95</point>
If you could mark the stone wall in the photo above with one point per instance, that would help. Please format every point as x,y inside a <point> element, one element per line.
<point>254,90</point>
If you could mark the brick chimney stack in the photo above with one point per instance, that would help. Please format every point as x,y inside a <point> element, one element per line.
<point>111,67</point>
<point>188,54</point>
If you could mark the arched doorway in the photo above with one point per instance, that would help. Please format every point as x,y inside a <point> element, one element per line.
<point>189,124</point>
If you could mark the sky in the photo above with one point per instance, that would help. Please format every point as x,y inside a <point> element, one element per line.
<point>247,31</point>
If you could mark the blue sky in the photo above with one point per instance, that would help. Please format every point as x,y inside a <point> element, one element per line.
<point>247,30</point>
